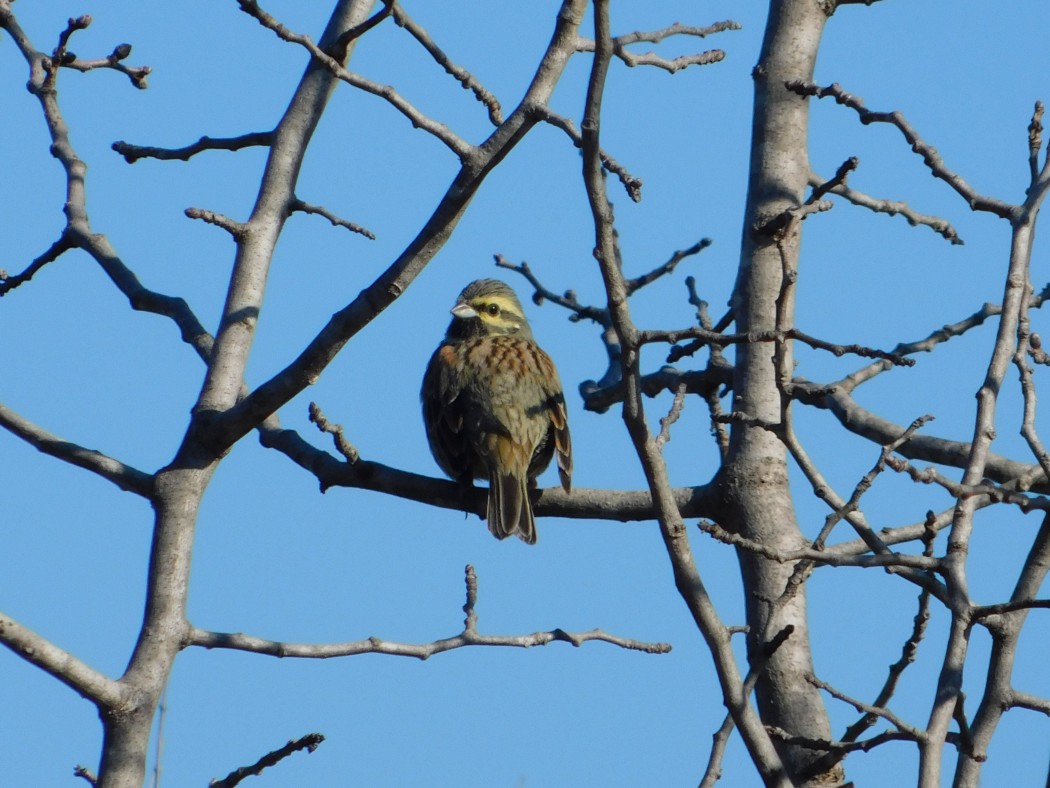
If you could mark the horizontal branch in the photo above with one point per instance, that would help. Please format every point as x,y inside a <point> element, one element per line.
<point>912,532</point>
<point>132,153</point>
<point>671,65</point>
<point>599,396</point>
<point>983,611</point>
<point>233,227</point>
<point>137,74</point>
<point>959,491</point>
<point>582,503</point>
<point>837,746</point>
<point>63,58</point>
<point>569,301</point>
<point>753,337</point>
<point>373,645</point>
<point>123,476</point>
<point>1022,700</point>
<point>829,558</point>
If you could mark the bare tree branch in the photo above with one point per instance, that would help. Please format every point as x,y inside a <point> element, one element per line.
<point>687,577</point>
<point>582,503</point>
<point>234,228</point>
<point>305,207</point>
<point>132,153</point>
<point>752,337</point>
<point>920,447</point>
<point>463,149</point>
<point>66,59</point>
<point>569,301</point>
<point>78,232</point>
<point>123,476</point>
<point>304,370</point>
<point>1022,700</point>
<point>893,208</point>
<point>56,250</point>
<point>1005,622</point>
<point>917,734</point>
<point>633,285</point>
<point>632,184</point>
<point>309,742</point>
<point>101,690</point>
<point>881,560</point>
<point>929,154</point>
<point>671,65</point>
<point>460,74</point>
<point>373,645</point>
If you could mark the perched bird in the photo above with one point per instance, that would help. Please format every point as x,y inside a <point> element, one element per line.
<point>493,406</point>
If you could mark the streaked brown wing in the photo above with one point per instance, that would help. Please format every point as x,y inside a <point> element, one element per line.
<point>559,418</point>
<point>443,416</point>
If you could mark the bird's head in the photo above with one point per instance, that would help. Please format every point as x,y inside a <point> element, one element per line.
<point>488,307</point>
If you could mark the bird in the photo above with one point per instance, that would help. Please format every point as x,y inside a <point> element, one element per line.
<point>493,406</point>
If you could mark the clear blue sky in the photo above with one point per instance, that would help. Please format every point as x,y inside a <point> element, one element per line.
<point>275,558</point>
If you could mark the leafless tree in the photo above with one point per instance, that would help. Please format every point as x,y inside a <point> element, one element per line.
<point>776,701</point>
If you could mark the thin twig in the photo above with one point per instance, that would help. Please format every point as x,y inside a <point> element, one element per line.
<point>1035,140</point>
<point>440,131</point>
<point>929,154</point>
<point>234,228</point>
<point>636,284</point>
<point>672,416</point>
<point>671,65</point>
<point>305,207</point>
<point>56,250</point>
<point>309,742</point>
<point>632,184</point>
<point>916,733</point>
<point>460,74</point>
<point>893,208</point>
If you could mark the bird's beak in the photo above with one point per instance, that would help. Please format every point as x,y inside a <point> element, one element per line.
<point>464,311</point>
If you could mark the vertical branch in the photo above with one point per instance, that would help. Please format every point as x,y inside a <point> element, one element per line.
<point>756,495</point>
<point>949,683</point>
<point>180,486</point>
<point>672,528</point>
<point>1005,628</point>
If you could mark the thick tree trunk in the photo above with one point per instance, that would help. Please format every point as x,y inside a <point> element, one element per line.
<point>754,480</point>
<point>180,487</point>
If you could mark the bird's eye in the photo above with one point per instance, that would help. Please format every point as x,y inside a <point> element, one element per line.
<point>492,309</point>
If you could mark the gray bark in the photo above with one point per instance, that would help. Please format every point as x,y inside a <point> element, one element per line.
<point>180,487</point>
<point>757,500</point>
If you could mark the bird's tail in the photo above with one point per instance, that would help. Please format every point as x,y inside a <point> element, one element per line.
<point>509,509</point>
